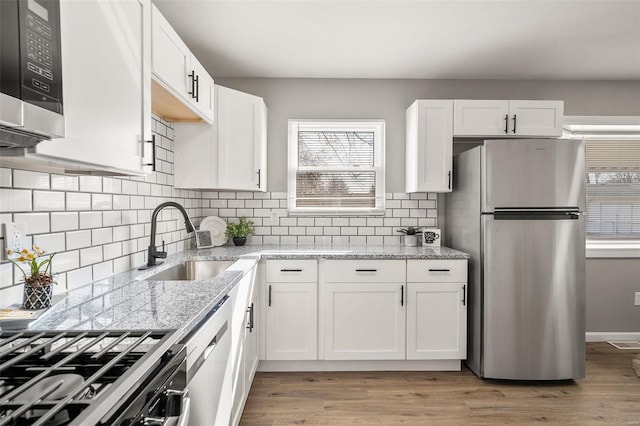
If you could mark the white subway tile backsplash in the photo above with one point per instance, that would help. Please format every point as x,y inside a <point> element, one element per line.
<point>121,202</point>
<point>79,277</point>
<point>64,183</point>
<point>129,187</point>
<point>51,243</point>
<point>35,223</point>
<point>67,221</point>
<point>15,200</point>
<point>90,220</point>
<point>90,183</point>
<point>78,239</point>
<point>90,255</point>
<point>48,201</point>
<point>112,186</point>
<point>33,180</point>
<point>5,177</point>
<point>112,250</point>
<point>112,218</point>
<point>122,264</point>
<point>121,233</point>
<point>66,261</point>
<point>101,202</point>
<point>102,270</point>
<point>78,201</point>
<point>102,236</point>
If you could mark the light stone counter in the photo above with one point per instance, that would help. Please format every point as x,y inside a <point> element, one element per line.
<point>127,301</point>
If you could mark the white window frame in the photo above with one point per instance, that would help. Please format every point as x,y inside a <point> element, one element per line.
<point>376,126</point>
<point>606,127</point>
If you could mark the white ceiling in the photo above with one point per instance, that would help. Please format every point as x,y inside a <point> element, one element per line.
<point>481,39</point>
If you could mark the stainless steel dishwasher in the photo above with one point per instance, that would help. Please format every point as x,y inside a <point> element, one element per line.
<point>207,353</point>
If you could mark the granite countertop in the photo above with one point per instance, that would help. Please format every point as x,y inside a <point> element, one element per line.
<point>128,301</point>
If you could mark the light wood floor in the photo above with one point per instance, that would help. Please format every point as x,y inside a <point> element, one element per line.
<point>609,395</point>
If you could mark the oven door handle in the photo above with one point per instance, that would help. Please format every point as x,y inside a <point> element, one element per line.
<point>183,420</point>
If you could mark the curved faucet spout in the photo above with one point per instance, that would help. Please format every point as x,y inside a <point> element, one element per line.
<point>153,253</point>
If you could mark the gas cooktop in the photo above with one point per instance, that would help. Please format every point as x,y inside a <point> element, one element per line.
<point>83,377</point>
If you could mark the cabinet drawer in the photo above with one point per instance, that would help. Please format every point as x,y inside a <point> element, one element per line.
<point>358,271</point>
<point>436,270</point>
<point>292,270</point>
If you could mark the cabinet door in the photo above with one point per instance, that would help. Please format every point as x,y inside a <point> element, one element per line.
<point>203,88</point>
<point>363,321</point>
<point>292,321</point>
<point>436,321</point>
<point>480,118</point>
<point>171,57</point>
<point>429,150</point>
<point>106,85</point>
<point>536,118</point>
<point>241,121</point>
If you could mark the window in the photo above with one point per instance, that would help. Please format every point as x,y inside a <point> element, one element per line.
<point>613,189</point>
<point>336,167</point>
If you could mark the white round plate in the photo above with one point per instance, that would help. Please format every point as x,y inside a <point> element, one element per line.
<point>217,227</point>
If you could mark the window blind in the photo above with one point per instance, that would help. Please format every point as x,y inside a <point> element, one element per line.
<point>613,188</point>
<point>336,167</point>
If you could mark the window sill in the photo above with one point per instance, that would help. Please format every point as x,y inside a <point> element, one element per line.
<point>613,249</point>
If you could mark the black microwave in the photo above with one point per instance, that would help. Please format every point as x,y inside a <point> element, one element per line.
<point>30,72</point>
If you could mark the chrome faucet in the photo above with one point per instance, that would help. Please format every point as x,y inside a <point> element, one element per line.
<point>153,253</point>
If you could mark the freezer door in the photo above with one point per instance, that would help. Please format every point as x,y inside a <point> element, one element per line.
<point>533,282</point>
<point>533,173</point>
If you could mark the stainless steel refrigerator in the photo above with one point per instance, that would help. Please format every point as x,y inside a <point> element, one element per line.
<point>517,207</point>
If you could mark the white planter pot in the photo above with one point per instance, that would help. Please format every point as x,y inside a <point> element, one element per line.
<point>410,240</point>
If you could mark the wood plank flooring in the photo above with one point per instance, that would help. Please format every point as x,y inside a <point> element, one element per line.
<point>609,395</point>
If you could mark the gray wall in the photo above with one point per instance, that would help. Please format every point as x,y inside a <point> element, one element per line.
<point>610,282</point>
<point>388,99</point>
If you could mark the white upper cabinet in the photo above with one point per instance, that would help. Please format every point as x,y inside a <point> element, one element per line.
<point>510,118</point>
<point>429,146</point>
<point>106,88</point>
<point>242,141</point>
<point>178,74</point>
<point>230,154</point>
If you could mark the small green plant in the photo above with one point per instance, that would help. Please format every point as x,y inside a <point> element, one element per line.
<point>243,228</point>
<point>410,230</point>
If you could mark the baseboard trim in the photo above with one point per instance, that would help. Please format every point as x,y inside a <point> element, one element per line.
<point>408,365</point>
<point>601,336</point>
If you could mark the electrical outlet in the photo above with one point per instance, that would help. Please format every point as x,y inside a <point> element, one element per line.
<point>14,235</point>
<point>636,300</point>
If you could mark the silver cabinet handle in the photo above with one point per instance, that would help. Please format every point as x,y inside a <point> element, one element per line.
<point>366,270</point>
<point>290,270</point>
<point>439,270</point>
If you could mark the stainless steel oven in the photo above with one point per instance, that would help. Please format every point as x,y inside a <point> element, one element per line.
<point>79,378</point>
<point>30,72</point>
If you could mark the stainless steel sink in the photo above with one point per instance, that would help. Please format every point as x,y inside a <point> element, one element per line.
<point>192,270</point>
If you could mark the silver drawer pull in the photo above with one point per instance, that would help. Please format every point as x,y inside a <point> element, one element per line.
<point>439,270</point>
<point>290,270</point>
<point>366,270</point>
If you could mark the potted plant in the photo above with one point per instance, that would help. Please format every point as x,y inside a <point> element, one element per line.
<point>240,231</point>
<point>411,235</point>
<point>38,281</point>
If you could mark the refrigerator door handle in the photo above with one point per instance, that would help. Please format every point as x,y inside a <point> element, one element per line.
<point>541,214</point>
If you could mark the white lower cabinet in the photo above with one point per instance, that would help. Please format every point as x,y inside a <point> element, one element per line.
<point>363,321</point>
<point>291,310</point>
<point>436,321</point>
<point>436,309</point>
<point>363,309</point>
